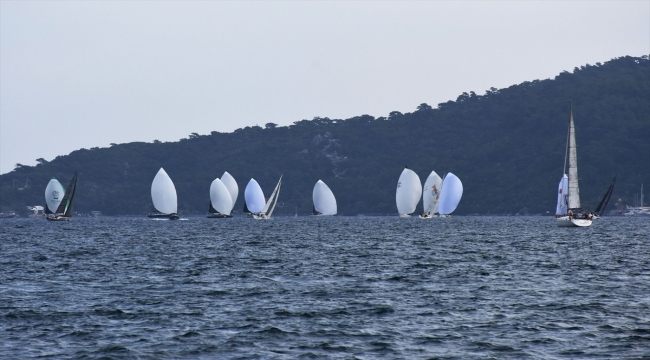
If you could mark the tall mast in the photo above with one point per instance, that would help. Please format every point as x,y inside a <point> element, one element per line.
<point>566,151</point>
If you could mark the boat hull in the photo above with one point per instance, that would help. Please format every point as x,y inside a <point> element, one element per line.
<point>427,216</point>
<point>261,217</point>
<point>164,216</point>
<point>566,221</point>
<point>57,218</point>
<point>218,216</point>
<point>404,215</point>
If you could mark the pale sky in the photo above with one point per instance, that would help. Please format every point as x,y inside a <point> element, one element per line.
<point>85,74</point>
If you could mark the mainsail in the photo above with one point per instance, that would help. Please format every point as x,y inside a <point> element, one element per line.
<point>409,190</point>
<point>602,205</point>
<point>324,200</point>
<point>65,207</point>
<point>574,192</point>
<point>273,200</point>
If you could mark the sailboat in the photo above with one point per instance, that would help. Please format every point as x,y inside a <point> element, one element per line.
<point>63,212</point>
<point>409,190</point>
<point>53,195</point>
<point>268,208</point>
<point>450,195</point>
<point>163,196</point>
<point>220,200</point>
<point>575,215</point>
<point>324,200</point>
<point>232,187</point>
<point>602,205</point>
<point>431,195</point>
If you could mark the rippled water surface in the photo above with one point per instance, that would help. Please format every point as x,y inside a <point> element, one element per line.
<point>342,287</point>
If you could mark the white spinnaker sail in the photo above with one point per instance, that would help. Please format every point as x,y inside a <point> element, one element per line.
<point>254,197</point>
<point>562,188</point>
<point>163,193</point>
<point>409,190</point>
<point>431,193</point>
<point>573,191</point>
<point>220,197</point>
<point>452,191</point>
<point>324,200</point>
<point>53,194</point>
<point>232,187</point>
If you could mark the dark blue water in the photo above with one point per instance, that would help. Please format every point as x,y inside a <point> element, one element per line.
<point>465,287</point>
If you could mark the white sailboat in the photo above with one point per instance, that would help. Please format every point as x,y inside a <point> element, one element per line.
<point>220,200</point>
<point>450,195</point>
<point>324,200</point>
<point>575,215</point>
<point>431,195</point>
<point>53,194</point>
<point>409,190</point>
<point>163,196</point>
<point>231,184</point>
<point>267,211</point>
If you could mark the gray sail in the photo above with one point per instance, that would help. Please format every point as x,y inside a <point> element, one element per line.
<point>65,207</point>
<point>574,191</point>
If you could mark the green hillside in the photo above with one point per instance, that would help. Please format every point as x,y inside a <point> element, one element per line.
<point>507,146</point>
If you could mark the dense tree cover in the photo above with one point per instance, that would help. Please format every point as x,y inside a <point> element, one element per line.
<point>507,146</point>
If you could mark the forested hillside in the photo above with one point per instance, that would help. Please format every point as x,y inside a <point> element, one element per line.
<point>507,146</point>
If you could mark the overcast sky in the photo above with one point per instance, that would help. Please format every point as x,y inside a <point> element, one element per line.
<point>84,74</point>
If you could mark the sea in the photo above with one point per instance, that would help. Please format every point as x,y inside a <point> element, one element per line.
<point>324,287</point>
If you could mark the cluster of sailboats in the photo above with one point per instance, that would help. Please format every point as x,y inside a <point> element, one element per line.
<point>223,195</point>
<point>440,196</point>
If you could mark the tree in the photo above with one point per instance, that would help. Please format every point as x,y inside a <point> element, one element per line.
<point>270,126</point>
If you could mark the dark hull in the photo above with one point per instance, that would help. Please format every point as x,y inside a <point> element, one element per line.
<point>57,218</point>
<point>164,216</point>
<point>218,216</point>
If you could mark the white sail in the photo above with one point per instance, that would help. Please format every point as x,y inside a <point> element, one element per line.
<point>452,191</point>
<point>574,191</point>
<point>254,197</point>
<point>324,200</point>
<point>163,193</point>
<point>232,187</point>
<point>220,197</point>
<point>431,193</point>
<point>53,194</point>
<point>562,187</point>
<point>270,205</point>
<point>409,190</point>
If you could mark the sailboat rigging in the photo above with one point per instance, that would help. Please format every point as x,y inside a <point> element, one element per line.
<point>267,211</point>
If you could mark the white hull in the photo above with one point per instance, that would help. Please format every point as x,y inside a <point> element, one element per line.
<point>261,217</point>
<point>404,215</point>
<point>566,221</point>
<point>427,216</point>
